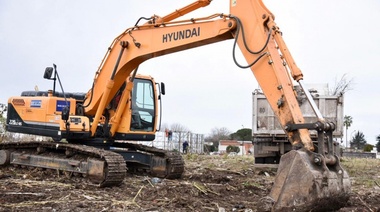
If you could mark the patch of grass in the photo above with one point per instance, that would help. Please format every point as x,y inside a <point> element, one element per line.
<point>192,157</point>
<point>364,172</point>
<point>251,184</point>
<point>211,165</point>
<point>225,156</point>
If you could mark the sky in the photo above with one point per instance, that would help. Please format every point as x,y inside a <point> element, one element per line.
<point>204,88</point>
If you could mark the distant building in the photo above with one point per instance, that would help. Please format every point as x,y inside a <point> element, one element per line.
<point>246,147</point>
<point>377,153</point>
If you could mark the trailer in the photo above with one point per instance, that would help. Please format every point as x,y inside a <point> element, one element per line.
<point>270,140</point>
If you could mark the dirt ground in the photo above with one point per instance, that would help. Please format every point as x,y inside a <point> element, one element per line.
<point>210,183</point>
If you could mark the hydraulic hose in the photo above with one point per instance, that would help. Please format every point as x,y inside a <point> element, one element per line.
<point>240,25</point>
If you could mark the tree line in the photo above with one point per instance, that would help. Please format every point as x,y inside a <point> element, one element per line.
<point>358,141</point>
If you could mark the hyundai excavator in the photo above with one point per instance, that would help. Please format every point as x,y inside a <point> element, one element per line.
<point>123,106</point>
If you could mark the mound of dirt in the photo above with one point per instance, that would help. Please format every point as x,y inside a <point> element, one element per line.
<point>210,183</point>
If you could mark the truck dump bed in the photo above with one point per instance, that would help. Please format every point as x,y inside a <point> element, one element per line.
<point>270,139</point>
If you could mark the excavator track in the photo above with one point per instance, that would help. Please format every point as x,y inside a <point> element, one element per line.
<point>105,168</point>
<point>102,167</point>
<point>164,164</point>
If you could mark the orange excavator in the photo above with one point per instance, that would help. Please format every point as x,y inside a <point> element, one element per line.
<point>123,106</point>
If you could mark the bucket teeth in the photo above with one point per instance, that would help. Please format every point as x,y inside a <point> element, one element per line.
<point>303,183</point>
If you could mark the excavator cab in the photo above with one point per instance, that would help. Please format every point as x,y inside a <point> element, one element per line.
<point>143,104</point>
<point>140,114</point>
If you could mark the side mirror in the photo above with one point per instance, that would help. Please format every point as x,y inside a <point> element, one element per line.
<point>162,88</point>
<point>48,72</point>
<point>65,113</point>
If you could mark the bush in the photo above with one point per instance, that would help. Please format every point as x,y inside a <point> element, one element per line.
<point>368,148</point>
<point>231,148</point>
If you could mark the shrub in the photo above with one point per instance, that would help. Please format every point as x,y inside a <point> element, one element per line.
<point>231,148</point>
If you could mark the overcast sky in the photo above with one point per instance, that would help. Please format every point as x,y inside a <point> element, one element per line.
<point>204,87</point>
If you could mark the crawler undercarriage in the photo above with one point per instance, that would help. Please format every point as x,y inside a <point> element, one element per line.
<point>103,166</point>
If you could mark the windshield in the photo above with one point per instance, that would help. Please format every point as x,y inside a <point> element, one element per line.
<point>143,105</point>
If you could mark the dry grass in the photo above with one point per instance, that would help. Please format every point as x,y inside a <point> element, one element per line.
<point>364,172</point>
<point>210,183</point>
<point>233,163</point>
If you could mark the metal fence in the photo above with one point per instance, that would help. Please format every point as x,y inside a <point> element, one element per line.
<point>196,141</point>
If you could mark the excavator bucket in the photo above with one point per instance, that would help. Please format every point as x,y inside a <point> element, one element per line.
<point>305,183</point>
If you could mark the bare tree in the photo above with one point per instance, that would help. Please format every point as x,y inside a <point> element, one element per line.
<point>216,135</point>
<point>220,133</point>
<point>177,127</point>
<point>342,86</point>
<point>3,109</point>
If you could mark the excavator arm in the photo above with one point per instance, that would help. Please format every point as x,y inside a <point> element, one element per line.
<point>304,178</point>
<point>254,31</point>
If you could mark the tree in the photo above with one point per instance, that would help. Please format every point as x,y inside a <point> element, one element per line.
<point>216,135</point>
<point>378,143</point>
<point>347,121</point>
<point>209,148</point>
<point>368,148</point>
<point>358,141</point>
<point>244,134</point>
<point>3,109</point>
<point>342,86</point>
<point>176,127</point>
<point>220,134</point>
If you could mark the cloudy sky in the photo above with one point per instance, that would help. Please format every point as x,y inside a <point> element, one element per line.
<point>204,87</point>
